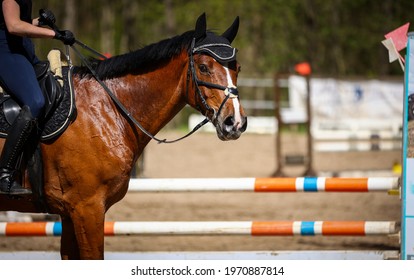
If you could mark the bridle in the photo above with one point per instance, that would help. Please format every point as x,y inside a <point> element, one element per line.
<point>230,92</point>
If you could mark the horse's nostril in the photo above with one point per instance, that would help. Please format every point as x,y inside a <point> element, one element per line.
<point>230,124</point>
<point>229,121</point>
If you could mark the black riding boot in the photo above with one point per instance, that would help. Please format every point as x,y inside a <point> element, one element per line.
<point>18,134</point>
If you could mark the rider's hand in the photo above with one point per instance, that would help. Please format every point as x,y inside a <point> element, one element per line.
<point>65,36</point>
<point>46,17</point>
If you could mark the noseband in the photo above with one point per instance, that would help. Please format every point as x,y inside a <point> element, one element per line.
<point>229,92</point>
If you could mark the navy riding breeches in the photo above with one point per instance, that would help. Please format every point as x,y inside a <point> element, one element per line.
<point>17,74</point>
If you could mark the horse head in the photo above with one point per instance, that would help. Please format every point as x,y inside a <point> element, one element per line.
<point>214,70</point>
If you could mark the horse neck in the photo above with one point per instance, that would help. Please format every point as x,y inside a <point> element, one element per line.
<point>155,97</point>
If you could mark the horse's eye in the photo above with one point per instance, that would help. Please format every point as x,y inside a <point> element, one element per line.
<point>203,68</point>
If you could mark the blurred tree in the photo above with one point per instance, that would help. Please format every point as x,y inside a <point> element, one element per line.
<point>129,10</point>
<point>70,15</point>
<point>107,27</point>
<point>170,17</point>
<point>338,37</point>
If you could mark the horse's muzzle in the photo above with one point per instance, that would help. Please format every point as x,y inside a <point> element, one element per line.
<point>228,129</point>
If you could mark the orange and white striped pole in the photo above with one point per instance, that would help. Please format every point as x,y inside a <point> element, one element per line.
<point>299,184</point>
<point>254,228</point>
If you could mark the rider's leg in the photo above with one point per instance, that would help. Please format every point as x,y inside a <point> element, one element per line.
<point>18,75</point>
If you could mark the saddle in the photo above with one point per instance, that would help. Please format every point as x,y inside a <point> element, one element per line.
<point>55,82</point>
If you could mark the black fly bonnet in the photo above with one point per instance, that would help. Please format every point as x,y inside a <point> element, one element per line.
<point>216,46</point>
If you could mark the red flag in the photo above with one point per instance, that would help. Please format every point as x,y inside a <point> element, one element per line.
<point>399,36</point>
<point>303,68</point>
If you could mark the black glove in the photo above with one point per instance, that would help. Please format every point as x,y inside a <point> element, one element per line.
<point>65,36</point>
<point>47,18</point>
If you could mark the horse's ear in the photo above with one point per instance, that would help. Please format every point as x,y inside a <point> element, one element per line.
<point>231,33</point>
<point>201,26</point>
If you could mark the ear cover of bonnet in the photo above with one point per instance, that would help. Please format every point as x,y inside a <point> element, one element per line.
<point>214,45</point>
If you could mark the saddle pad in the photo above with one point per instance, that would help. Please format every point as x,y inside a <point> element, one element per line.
<point>64,114</point>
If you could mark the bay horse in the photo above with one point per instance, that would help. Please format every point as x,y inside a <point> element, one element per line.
<point>87,169</point>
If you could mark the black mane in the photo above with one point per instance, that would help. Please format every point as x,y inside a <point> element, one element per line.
<point>139,60</point>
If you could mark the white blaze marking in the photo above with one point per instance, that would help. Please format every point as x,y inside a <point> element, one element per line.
<point>236,104</point>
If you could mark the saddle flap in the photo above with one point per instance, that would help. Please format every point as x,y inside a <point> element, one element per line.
<point>52,92</point>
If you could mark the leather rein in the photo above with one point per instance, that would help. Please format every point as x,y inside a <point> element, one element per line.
<point>230,92</point>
